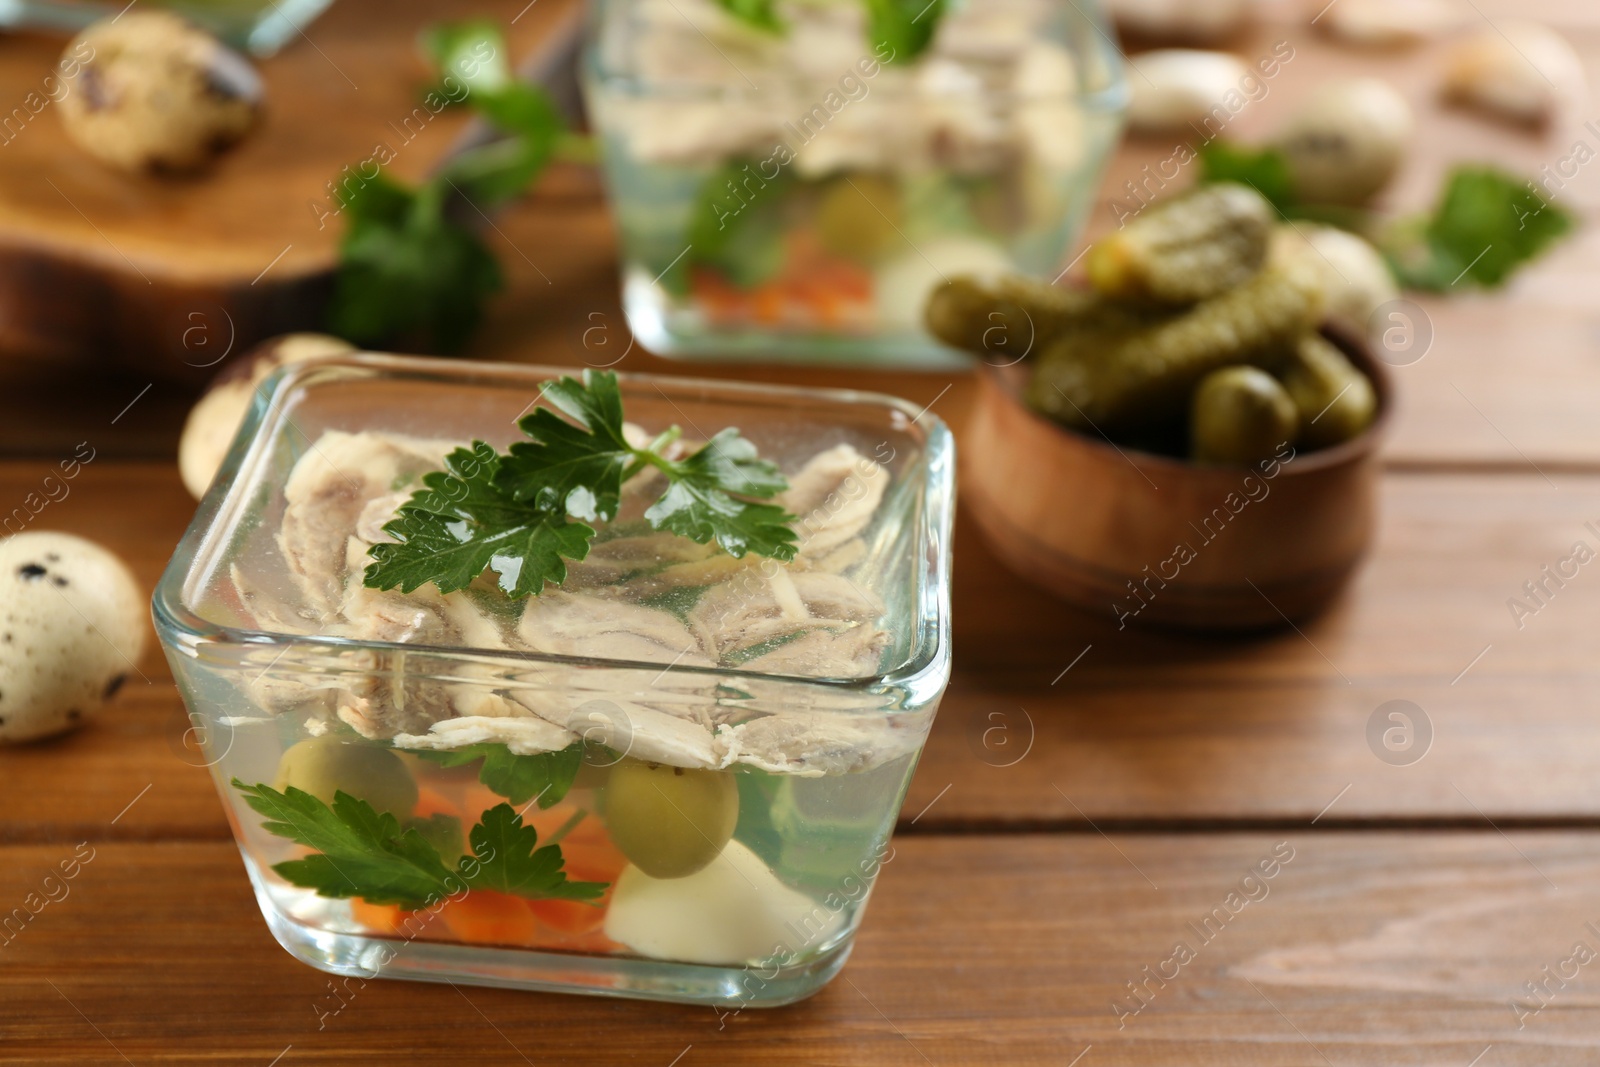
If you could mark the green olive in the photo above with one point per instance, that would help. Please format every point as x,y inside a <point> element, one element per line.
<point>670,821</point>
<point>858,217</point>
<point>324,765</point>
<point>1240,415</point>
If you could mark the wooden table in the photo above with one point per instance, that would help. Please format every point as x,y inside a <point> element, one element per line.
<point>1040,871</point>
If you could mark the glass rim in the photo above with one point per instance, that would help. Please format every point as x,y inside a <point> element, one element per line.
<point>1109,98</point>
<point>923,673</point>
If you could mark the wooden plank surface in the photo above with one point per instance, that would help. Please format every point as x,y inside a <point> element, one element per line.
<point>1007,925</point>
<point>1480,397</point>
<point>1394,949</point>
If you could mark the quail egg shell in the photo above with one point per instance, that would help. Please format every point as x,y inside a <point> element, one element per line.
<point>72,627</point>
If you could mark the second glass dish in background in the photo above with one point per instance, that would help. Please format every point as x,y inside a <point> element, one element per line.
<point>796,194</point>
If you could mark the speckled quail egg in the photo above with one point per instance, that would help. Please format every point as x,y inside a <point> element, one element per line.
<point>72,626</point>
<point>1387,23</point>
<point>1175,87</point>
<point>158,94</point>
<point>1522,72</point>
<point>1183,21</point>
<point>1347,141</point>
<point>1353,276</point>
<point>215,419</point>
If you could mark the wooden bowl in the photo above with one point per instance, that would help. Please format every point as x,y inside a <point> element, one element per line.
<point>1153,539</point>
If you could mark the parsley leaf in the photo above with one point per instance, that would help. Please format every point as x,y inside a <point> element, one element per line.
<point>362,853</point>
<point>1486,224</point>
<point>463,523</point>
<point>578,467</point>
<point>737,227</point>
<point>492,174</point>
<point>359,852</point>
<point>702,501</point>
<point>1265,170</point>
<point>473,50</point>
<point>904,27</point>
<point>509,861</point>
<point>510,513</point>
<point>406,270</point>
<point>760,14</point>
<point>519,779</point>
<point>410,268</point>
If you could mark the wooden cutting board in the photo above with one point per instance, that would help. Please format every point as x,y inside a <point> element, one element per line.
<point>168,274</point>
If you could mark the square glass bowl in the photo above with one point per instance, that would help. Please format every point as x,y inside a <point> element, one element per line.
<point>795,195</point>
<point>719,747</point>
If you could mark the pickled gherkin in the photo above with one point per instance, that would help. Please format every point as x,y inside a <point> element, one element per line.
<point>1013,317</point>
<point>1240,415</point>
<point>1111,380</point>
<point>1335,400</point>
<point>1189,248</point>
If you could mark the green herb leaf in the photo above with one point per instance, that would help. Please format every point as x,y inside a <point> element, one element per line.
<point>462,523</point>
<point>1485,226</point>
<point>1265,170</point>
<point>904,27</point>
<point>443,832</point>
<point>736,227</point>
<point>547,775</point>
<point>408,268</point>
<point>510,513</point>
<point>473,50</point>
<point>761,14</point>
<point>405,270</point>
<point>492,174</point>
<point>510,861</point>
<point>361,853</point>
<point>576,467</point>
<point>701,502</point>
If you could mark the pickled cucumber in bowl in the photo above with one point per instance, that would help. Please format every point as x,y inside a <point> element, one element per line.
<point>1189,338</point>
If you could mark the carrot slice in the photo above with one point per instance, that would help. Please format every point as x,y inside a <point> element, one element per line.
<point>432,802</point>
<point>565,918</point>
<point>379,918</point>
<point>484,917</point>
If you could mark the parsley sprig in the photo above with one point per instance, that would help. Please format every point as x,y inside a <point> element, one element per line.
<point>901,30</point>
<point>1485,225</point>
<point>360,852</point>
<point>545,777</point>
<point>524,513</point>
<point>411,264</point>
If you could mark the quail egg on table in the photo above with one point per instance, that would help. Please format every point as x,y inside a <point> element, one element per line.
<point>72,626</point>
<point>159,94</point>
<point>1346,141</point>
<point>215,418</point>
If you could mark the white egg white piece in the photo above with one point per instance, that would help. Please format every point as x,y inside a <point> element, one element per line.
<point>73,624</point>
<point>731,912</point>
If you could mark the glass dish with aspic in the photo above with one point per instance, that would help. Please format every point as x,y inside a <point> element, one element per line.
<point>653,738</point>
